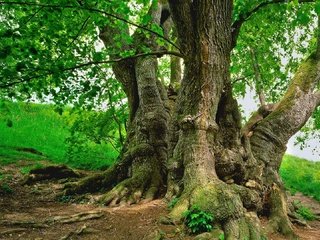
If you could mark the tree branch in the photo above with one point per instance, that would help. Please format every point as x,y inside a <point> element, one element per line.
<point>123,59</point>
<point>236,26</point>
<point>91,10</point>
<point>6,85</point>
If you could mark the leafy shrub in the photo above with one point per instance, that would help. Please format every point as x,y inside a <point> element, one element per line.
<point>197,220</point>
<point>95,140</point>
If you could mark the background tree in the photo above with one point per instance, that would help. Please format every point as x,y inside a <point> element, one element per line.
<point>212,161</point>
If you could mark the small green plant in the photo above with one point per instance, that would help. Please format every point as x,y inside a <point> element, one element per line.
<point>173,202</point>
<point>303,211</point>
<point>198,221</point>
<point>221,236</point>
<point>5,188</point>
<point>64,198</point>
<point>306,213</point>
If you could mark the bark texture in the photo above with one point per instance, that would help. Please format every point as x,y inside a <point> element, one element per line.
<point>140,173</point>
<point>211,160</point>
<point>227,171</point>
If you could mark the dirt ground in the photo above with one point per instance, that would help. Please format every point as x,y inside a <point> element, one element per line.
<point>32,212</point>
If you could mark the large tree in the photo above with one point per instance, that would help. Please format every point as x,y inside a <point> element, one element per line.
<point>195,149</point>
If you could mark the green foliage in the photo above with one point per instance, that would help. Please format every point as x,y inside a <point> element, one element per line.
<point>301,175</point>
<point>5,188</point>
<point>96,139</point>
<point>221,236</point>
<point>34,126</point>
<point>197,220</point>
<point>306,213</point>
<point>303,211</point>
<point>173,202</point>
<point>50,131</point>
<point>65,198</point>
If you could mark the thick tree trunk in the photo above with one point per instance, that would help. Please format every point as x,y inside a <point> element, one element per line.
<point>141,172</point>
<point>208,146</point>
<point>212,163</point>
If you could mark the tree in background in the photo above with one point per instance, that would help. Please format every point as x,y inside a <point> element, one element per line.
<point>198,149</point>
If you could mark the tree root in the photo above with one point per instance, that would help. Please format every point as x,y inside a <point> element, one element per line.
<point>226,204</point>
<point>82,230</point>
<point>10,231</point>
<point>24,224</point>
<point>133,190</point>
<point>279,220</point>
<point>93,183</point>
<point>79,217</point>
<point>50,172</point>
<point>57,219</point>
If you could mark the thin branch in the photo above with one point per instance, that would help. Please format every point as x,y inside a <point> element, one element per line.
<point>49,72</point>
<point>33,15</point>
<point>244,78</point>
<point>258,77</point>
<point>92,10</point>
<point>157,53</point>
<point>236,26</point>
<point>10,84</point>
<point>84,24</point>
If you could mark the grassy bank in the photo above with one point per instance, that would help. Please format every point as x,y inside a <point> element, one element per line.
<point>300,175</point>
<point>25,127</point>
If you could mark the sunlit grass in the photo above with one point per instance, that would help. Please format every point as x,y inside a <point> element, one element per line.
<point>301,175</point>
<point>38,126</point>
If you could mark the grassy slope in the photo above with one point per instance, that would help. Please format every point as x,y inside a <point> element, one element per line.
<point>38,126</point>
<point>301,175</point>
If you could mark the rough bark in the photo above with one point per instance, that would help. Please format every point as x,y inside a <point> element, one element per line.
<point>227,171</point>
<point>140,173</point>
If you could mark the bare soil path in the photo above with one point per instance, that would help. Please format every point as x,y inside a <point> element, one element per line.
<point>31,212</point>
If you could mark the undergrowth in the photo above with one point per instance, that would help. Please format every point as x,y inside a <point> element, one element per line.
<point>198,221</point>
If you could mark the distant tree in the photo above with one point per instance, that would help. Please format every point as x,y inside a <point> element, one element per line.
<point>197,148</point>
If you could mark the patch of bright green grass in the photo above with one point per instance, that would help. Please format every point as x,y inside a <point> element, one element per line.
<point>301,175</point>
<point>38,126</point>
<point>32,126</point>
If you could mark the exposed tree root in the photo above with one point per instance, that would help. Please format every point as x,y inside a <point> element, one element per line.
<point>51,172</point>
<point>132,190</point>
<point>279,220</point>
<point>82,230</point>
<point>226,203</point>
<point>94,182</point>
<point>57,219</point>
<point>24,224</point>
<point>10,231</point>
<point>79,217</point>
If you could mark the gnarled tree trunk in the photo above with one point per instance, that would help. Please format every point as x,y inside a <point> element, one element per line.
<point>141,172</point>
<point>211,160</point>
<point>213,164</point>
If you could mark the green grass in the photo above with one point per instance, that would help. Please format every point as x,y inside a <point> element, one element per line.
<point>33,126</point>
<point>38,126</point>
<point>301,175</point>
